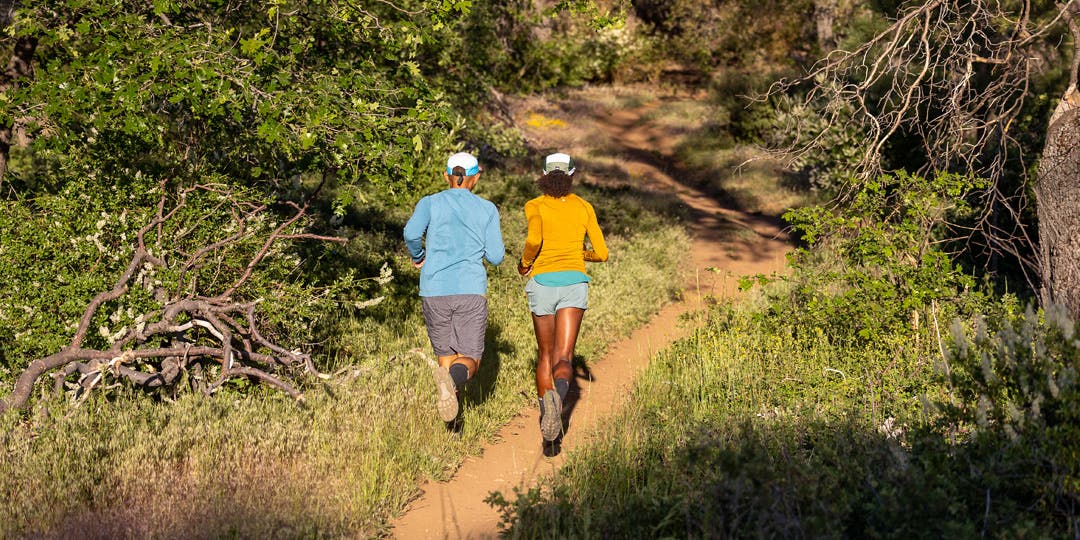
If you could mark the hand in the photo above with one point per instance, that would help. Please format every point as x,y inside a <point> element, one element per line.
<point>523,270</point>
<point>418,264</point>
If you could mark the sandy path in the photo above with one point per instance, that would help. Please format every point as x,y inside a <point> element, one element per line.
<point>456,509</point>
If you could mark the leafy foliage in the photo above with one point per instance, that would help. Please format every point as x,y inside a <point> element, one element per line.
<point>834,149</point>
<point>1014,396</point>
<point>519,47</point>
<point>705,35</point>
<point>869,266</point>
<point>257,92</point>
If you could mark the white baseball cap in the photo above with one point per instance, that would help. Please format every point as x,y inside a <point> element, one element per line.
<point>559,162</point>
<point>464,160</point>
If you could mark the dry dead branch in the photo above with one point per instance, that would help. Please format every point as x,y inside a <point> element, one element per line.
<point>189,329</point>
<point>952,78</point>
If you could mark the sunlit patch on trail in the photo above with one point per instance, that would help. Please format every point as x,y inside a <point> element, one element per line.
<point>539,121</point>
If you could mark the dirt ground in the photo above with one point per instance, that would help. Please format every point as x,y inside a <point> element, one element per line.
<point>619,131</point>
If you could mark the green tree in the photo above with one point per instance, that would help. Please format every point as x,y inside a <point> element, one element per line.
<point>260,92</point>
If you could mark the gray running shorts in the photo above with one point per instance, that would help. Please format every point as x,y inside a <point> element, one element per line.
<point>456,324</point>
<point>544,300</point>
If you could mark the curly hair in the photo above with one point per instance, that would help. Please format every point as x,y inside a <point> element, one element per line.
<point>555,184</point>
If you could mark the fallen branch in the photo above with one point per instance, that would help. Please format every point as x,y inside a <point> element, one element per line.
<point>191,327</point>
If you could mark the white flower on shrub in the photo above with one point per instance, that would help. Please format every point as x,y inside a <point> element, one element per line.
<point>890,429</point>
<point>369,303</point>
<point>386,275</point>
<point>116,336</point>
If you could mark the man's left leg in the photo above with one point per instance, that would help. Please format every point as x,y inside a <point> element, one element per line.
<point>438,319</point>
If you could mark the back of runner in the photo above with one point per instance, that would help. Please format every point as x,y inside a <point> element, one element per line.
<point>558,291</point>
<point>449,235</point>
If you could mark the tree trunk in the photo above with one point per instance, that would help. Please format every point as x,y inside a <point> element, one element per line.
<point>1057,190</point>
<point>824,19</point>
<point>1057,194</point>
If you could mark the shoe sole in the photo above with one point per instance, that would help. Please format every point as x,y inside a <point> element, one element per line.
<point>446,394</point>
<point>551,416</point>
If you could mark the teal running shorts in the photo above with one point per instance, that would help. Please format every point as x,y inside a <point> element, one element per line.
<point>544,300</point>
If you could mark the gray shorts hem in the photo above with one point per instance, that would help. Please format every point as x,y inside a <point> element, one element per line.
<point>456,324</point>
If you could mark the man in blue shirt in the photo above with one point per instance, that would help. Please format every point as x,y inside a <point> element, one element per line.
<point>449,236</point>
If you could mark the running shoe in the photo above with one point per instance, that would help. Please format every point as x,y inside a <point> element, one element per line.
<point>551,415</point>
<point>446,394</point>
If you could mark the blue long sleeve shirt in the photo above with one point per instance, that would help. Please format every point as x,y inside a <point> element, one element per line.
<point>453,232</point>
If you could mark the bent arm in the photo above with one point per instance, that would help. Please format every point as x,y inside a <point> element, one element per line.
<point>494,249</point>
<point>534,237</point>
<point>599,251</point>
<point>415,228</point>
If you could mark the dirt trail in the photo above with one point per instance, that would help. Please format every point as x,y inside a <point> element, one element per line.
<point>456,509</point>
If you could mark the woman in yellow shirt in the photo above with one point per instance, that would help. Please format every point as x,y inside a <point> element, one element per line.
<point>558,291</point>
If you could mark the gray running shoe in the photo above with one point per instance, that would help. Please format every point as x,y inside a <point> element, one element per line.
<point>551,415</point>
<point>446,394</point>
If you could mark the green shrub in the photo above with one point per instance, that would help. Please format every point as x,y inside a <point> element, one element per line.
<point>825,151</point>
<point>872,265</point>
<point>704,35</point>
<point>520,47</point>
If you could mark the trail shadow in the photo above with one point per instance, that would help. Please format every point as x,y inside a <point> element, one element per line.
<point>552,448</point>
<point>624,208</point>
<point>645,145</point>
<point>573,396</point>
<point>727,221</point>
<point>456,426</point>
<point>693,178</point>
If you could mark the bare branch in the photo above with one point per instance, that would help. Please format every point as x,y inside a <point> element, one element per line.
<point>953,76</point>
<point>188,328</point>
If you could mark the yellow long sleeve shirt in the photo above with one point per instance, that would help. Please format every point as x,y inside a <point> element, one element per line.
<point>558,227</point>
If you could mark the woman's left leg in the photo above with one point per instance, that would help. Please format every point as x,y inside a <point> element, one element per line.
<point>567,325</point>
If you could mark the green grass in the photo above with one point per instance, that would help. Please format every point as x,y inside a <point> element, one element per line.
<point>735,431</point>
<point>756,428</point>
<point>257,464</point>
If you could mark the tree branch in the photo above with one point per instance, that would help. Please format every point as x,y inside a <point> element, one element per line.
<point>198,328</point>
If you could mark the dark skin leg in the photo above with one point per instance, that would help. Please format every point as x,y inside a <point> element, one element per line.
<point>556,336</point>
